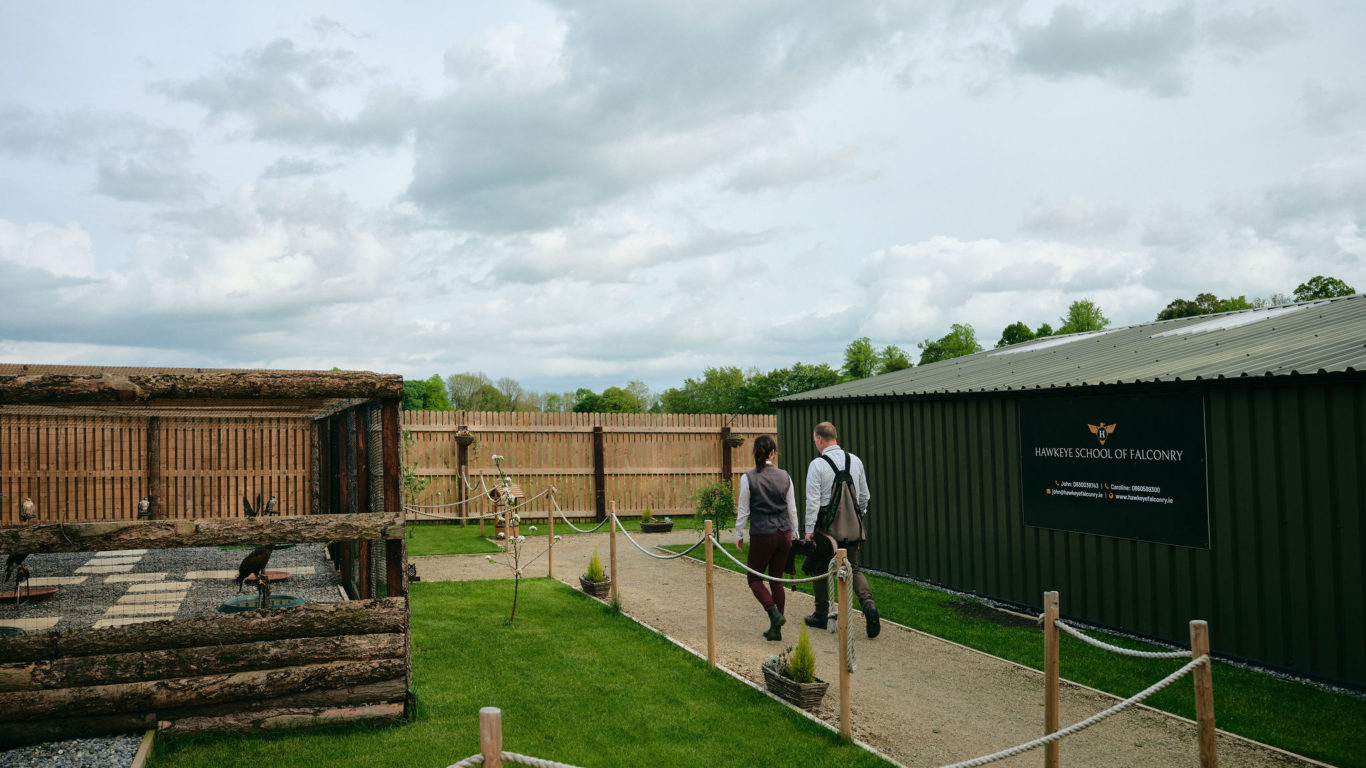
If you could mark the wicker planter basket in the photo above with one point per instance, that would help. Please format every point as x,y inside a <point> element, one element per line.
<point>804,695</point>
<point>657,527</point>
<point>598,589</point>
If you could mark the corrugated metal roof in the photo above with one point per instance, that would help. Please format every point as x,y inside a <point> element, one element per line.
<point>1306,338</point>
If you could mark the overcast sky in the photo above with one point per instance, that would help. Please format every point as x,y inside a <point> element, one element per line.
<point>583,193</point>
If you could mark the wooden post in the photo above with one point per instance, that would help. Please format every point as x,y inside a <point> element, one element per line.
<point>1050,676</point>
<point>1204,695</point>
<point>462,469</point>
<point>846,731</point>
<point>550,525</point>
<point>711,597</point>
<point>393,494</point>
<point>362,465</point>
<point>613,540</point>
<point>725,455</point>
<point>491,736</point>
<point>599,476</point>
<point>154,466</point>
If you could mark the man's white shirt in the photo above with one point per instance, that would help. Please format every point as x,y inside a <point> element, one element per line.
<point>820,483</point>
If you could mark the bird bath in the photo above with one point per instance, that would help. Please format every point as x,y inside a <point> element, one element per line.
<point>11,632</point>
<point>250,602</point>
<point>28,594</point>
<point>274,576</point>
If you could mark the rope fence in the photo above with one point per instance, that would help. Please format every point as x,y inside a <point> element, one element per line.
<point>1116,649</point>
<point>491,751</point>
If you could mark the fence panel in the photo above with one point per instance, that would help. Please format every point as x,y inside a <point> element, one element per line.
<point>657,460</point>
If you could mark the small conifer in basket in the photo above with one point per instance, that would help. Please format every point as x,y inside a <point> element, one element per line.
<point>595,582</point>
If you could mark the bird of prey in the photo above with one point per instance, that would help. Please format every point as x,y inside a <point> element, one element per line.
<point>252,510</point>
<point>27,510</point>
<point>20,577</point>
<point>12,563</point>
<point>254,563</point>
<point>144,510</point>
<point>272,507</point>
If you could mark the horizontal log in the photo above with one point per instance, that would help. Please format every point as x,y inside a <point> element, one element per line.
<point>13,734</point>
<point>353,617</point>
<point>103,536</point>
<point>572,471</point>
<point>149,387</point>
<point>205,689</point>
<point>103,669</point>
<point>276,718</point>
<point>346,696</point>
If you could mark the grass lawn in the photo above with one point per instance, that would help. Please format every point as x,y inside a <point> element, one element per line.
<point>1300,718</point>
<point>577,683</point>
<point>456,539</point>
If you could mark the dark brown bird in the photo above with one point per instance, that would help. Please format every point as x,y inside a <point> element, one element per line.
<point>252,510</point>
<point>12,563</point>
<point>254,563</point>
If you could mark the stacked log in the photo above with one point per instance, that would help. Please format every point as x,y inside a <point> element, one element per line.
<point>255,669</point>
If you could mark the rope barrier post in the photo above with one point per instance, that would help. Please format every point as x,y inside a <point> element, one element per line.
<point>1050,676</point>
<point>616,596</point>
<point>1203,676</point>
<point>842,562</point>
<point>550,526</point>
<point>711,597</point>
<point>491,736</point>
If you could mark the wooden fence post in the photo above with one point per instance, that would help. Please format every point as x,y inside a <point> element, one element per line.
<point>599,476</point>
<point>726,470</point>
<point>711,597</point>
<point>1204,695</point>
<point>1050,676</point>
<point>550,524</point>
<point>462,470</point>
<point>616,595</point>
<point>491,736</point>
<point>841,562</point>
<point>154,467</point>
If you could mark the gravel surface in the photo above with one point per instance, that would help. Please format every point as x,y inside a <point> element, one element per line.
<point>148,585</point>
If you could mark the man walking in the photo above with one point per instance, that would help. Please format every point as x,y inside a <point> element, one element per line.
<point>820,484</point>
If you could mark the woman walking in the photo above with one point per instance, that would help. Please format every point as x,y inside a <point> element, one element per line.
<point>767,509</point>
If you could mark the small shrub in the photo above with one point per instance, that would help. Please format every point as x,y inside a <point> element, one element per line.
<point>647,516</point>
<point>715,500</point>
<point>594,568</point>
<point>802,665</point>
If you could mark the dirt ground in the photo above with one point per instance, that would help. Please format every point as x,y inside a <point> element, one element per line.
<point>918,699</point>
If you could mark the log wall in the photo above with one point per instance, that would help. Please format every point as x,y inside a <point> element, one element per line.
<point>255,669</point>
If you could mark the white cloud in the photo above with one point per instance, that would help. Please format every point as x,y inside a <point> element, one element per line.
<point>1327,107</point>
<point>1075,218</point>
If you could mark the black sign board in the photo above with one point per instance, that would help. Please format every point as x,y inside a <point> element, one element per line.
<point>1131,467</point>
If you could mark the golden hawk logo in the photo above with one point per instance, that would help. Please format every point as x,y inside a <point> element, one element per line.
<point>1102,432</point>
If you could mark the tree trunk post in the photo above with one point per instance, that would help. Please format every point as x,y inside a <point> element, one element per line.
<point>1050,676</point>
<point>1204,695</point>
<point>846,730</point>
<point>362,465</point>
<point>154,466</point>
<point>491,736</point>
<point>462,469</point>
<point>599,475</point>
<point>550,526</point>
<point>726,472</point>
<point>711,596</point>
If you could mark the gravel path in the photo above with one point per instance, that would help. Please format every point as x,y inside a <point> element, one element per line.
<point>921,700</point>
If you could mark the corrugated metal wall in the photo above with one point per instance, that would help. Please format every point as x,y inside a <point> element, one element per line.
<point>1282,583</point>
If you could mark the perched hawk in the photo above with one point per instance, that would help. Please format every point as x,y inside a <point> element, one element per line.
<point>272,507</point>
<point>27,510</point>
<point>1102,432</point>
<point>144,510</point>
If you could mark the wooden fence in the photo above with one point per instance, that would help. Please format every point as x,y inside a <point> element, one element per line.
<point>634,459</point>
<point>97,467</point>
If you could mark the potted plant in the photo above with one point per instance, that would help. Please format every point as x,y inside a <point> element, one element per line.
<point>595,582</point>
<point>791,675</point>
<point>735,439</point>
<point>648,523</point>
<point>463,436</point>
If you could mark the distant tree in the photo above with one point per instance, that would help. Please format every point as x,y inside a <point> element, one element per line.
<point>1207,304</point>
<point>718,391</point>
<point>960,340</point>
<point>618,400</point>
<point>414,395</point>
<point>1083,316</point>
<point>585,401</point>
<point>557,402</point>
<point>435,396</point>
<point>860,358</point>
<point>488,398</point>
<point>892,358</point>
<point>641,392</point>
<point>1320,287</point>
<point>1044,330</point>
<point>462,387</point>
<point>1014,334</point>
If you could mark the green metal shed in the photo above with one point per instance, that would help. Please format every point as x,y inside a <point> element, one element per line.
<point>1206,467</point>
